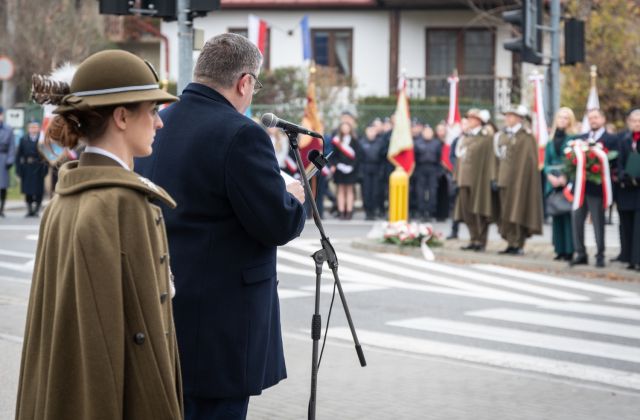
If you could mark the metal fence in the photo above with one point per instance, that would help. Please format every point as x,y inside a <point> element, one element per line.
<point>471,89</point>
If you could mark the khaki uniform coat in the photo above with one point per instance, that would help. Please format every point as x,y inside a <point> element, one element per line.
<point>475,169</point>
<point>99,340</point>
<point>518,175</point>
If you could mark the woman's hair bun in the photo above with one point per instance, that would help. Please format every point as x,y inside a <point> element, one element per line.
<point>45,90</point>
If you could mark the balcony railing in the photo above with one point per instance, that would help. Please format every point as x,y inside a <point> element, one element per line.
<point>471,89</point>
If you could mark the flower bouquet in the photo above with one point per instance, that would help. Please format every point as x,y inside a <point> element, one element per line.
<point>412,234</point>
<point>588,161</point>
<point>589,156</point>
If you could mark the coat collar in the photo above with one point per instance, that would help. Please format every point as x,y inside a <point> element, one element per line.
<point>203,90</point>
<point>96,171</point>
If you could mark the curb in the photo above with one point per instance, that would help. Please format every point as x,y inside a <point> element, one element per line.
<point>534,260</point>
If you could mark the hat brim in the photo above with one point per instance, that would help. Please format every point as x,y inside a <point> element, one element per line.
<point>514,113</point>
<point>121,98</point>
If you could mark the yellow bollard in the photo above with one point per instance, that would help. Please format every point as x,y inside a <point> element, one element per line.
<point>398,195</point>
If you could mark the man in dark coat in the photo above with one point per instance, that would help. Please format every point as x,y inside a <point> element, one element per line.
<point>32,169</point>
<point>372,167</point>
<point>427,150</point>
<point>593,195</point>
<point>628,198</point>
<point>7,156</point>
<point>233,211</point>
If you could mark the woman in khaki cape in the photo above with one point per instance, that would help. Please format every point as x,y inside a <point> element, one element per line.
<point>99,340</point>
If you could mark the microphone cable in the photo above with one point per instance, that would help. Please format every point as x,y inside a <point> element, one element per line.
<point>326,330</point>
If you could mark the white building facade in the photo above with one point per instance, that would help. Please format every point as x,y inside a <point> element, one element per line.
<point>374,44</point>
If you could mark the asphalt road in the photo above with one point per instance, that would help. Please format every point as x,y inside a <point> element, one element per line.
<point>442,341</point>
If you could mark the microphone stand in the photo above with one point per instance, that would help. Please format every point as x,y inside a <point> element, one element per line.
<point>326,254</point>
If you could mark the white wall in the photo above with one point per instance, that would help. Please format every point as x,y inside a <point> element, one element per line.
<point>370,40</point>
<point>413,26</point>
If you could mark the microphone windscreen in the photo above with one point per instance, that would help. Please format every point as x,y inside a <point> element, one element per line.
<point>312,155</point>
<point>269,120</point>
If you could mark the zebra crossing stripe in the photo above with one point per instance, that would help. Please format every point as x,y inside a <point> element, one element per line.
<point>346,287</point>
<point>500,359</point>
<point>626,300</point>
<point>292,293</point>
<point>20,227</point>
<point>12,338</point>
<point>482,277</point>
<point>543,278</point>
<point>593,309</point>
<point>522,338</point>
<point>558,321</point>
<point>10,253</point>
<point>15,279</point>
<point>370,264</point>
<point>372,279</point>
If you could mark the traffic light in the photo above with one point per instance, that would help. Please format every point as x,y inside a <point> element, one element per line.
<point>528,18</point>
<point>115,7</point>
<point>573,41</point>
<point>165,9</point>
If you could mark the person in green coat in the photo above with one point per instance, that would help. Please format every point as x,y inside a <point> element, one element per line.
<point>564,128</point>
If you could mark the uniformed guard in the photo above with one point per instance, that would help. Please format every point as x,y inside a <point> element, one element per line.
<point>475,169</point>
<point>7,156</point>
<point>31,168</point>
<point>428,151</point>
<point>518,182</point>
<point>99,340</point>
<point>372,170</point>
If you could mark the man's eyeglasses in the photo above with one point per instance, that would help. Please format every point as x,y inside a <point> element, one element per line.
<point>257,86</point>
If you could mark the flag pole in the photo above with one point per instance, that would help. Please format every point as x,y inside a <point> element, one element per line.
<point>594,75</point>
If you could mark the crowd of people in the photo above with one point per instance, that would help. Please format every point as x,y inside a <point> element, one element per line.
<point>154,291</point>
<point>486,175</point>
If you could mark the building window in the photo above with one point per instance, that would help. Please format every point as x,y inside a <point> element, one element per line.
<point>471,52</point>
<point>333,48</point>
<point>267,44</point>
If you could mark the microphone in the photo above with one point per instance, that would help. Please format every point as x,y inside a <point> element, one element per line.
<point>270,120</point>
<point>318,160</point>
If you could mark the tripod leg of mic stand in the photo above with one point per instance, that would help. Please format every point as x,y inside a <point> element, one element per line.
<point>319,257</point>
<point>363,361</point>
<point>327,253</point>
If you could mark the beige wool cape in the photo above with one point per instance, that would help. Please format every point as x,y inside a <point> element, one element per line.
<point>518,174</point>
<point>99,341</point>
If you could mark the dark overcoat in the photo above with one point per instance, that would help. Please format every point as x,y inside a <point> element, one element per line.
<point>628,197</point>
<point>233,211</point>
<point>30,167</point>
<point>99,339</point>
<point>7,154</point>
<point>610,141</point>
<point>340,158</point>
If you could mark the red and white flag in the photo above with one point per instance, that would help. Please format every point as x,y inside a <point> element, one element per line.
<point>593,102</point>
<point>257,32</point>
<point>540,129</point>
<point>454,111</point>
<point>401,145</point>
<point>454,127</point>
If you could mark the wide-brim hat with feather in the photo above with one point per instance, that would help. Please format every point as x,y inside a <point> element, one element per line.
<point>520,110</point>
<point>106,78</point>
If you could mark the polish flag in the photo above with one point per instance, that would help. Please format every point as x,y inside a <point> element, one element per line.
<point>454,127</point>
<point>540,123</point>
<point>257,31</point>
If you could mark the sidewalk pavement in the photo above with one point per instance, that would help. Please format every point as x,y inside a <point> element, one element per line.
<point>538,252</point>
